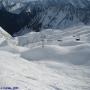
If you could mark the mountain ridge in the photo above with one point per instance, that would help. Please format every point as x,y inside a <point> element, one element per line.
<point>54,14</point>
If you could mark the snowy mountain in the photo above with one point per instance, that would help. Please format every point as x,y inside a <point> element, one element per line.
<point>57,57</point>
<point>60,14</point>
<point>45,14</point>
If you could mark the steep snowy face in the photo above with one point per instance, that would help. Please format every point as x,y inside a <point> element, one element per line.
<point>59,17</point>
<point>60,14</point>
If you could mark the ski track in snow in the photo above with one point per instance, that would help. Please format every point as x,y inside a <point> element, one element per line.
<point>63,65</point>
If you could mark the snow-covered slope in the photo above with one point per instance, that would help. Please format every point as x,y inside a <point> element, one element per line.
<point>57,36</point>
<point>57,18</point>
<point>63,63</point>
<point>38,75</point>
<point>4,34</point>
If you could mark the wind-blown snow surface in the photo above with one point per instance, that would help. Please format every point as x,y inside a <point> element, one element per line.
<point>63,64</point>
